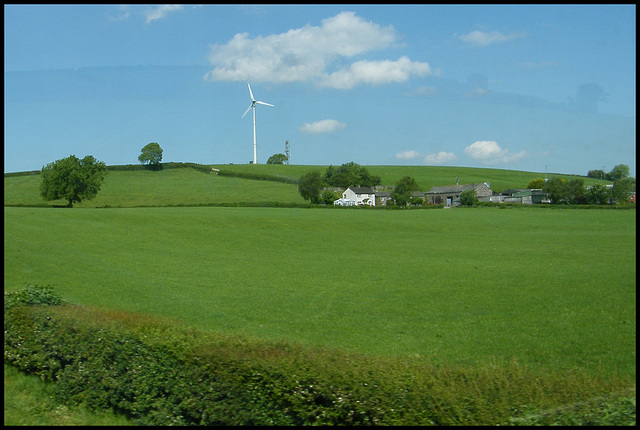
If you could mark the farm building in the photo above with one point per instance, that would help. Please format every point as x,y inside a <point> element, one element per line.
<point>357,196</point>
<point>382,197</point>
<point>524,196</point>
<point>449,195</point>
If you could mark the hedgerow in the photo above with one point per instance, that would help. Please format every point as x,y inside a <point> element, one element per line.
<point>159,372</point>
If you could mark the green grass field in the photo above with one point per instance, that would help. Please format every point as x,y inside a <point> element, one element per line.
<point>186,186</point>
<point>551,288</point>
<point>426,176</point>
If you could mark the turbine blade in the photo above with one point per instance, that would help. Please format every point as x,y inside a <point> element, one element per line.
<point>263,103</point>
<point>248,109</point>
<point>252,99</point>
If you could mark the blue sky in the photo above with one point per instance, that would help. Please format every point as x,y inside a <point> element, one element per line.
<point>529,88</point>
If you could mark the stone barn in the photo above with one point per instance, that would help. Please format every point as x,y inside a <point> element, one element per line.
<point>449,195</point>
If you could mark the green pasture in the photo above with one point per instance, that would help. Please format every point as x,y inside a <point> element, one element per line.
<point>426,176</point>
<point>168,187</point>
<point>550,288</point>
<point>190,187</point>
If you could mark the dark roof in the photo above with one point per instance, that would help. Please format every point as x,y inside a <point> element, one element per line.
<point>454,188</point>
<point>512,191</point>
<point>362,190</point>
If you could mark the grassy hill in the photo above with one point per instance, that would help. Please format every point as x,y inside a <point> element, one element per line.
<point>192,185</point>
<point>554,289</point>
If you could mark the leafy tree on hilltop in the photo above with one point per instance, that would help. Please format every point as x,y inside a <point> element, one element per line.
<point>151,155</point>
<point>621,171</point>
<point>597,174</point>
<point>72,179</point>
<point>277,159</point>
<point>349,175</point>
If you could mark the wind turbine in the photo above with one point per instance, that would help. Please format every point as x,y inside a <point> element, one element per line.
<point>253,106</point>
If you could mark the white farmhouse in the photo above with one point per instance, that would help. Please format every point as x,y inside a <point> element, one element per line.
<point>357,196</point>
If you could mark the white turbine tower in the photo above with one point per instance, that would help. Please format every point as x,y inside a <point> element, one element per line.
<point>253,106</point>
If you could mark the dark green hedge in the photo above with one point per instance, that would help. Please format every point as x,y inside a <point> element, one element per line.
<point>257,176</point>
<point>158,372</point>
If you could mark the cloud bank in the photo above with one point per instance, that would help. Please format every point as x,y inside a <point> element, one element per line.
<point>481,38</point>
<point>435,158</point>
<point>322,127</point>
<point>311,53</point>
<point>161,12</point>
<point>489,152</point>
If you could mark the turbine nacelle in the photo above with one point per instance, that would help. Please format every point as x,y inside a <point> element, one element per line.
<point>254,102</point>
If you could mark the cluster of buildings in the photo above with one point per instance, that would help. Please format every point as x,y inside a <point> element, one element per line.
<point>448,195</point>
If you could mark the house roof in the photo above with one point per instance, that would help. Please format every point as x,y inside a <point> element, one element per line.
<point>362,190</point>
<point>455,188</point>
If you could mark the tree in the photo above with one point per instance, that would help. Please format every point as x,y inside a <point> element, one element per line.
<point>72,179</point>
<point>536,184</point>
<point>576,191</point>
<point>596,174</point>
<point>402,191</point>
<point>151,155</point>
<point>310,186</point>
<point>557,189</point>
<point>349,175</point>
<point>597,194</point>
<point>622,189</point>
<point>277,159</point>
<point>621,171</point>
<point>468,197</point>
<point>328,197</point>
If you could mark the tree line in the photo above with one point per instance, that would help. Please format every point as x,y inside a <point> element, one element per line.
<point>573,191</point>
<point>314,186</point>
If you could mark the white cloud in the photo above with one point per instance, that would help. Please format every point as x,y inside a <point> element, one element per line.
<point>161,11</point>
<point>489,152</point>
<point>439,158</point>
<point>375,73</point>
<point>408,155</point>
<point>322,127</point>
<point>429,159</point>
<point>481,38</point>
<point>307,54</point>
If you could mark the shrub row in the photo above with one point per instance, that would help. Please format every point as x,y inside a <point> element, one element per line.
<point>258,176</point>
<point>158,372</point>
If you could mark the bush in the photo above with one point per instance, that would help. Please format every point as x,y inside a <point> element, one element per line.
<point>160,373</point>
<point>30,296</point>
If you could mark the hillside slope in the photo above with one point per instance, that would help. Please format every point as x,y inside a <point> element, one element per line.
<point>182,185</point>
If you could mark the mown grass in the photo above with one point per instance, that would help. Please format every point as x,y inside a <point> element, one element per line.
<point>550,288</point>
